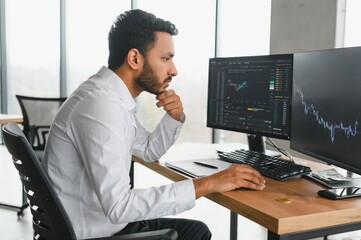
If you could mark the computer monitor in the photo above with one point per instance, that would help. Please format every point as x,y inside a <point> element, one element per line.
<point>251,95</point>
<point>326,106</point>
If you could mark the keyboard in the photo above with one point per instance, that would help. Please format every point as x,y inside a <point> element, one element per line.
<point>269,166</point>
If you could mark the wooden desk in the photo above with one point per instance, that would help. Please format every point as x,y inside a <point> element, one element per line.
<point>289,210</point>
<point>8,118</point>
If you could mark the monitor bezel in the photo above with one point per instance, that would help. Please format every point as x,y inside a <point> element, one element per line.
<point>298,148</point>
<point>326,159</point>
<point>248,131</point>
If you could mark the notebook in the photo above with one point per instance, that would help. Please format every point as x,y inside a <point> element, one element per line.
<point>198,167</point>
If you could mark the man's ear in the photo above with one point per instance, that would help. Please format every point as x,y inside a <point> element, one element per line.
<point>134,59</point>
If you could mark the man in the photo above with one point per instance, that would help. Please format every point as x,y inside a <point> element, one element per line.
<point>96,131</point>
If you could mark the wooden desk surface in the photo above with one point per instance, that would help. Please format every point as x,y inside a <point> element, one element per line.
<point>9,118</point>
<point>283,206</point>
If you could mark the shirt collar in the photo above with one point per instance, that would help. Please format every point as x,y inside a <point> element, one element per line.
<point>119,87</point>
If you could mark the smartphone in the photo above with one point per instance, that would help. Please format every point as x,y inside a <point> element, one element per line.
<point>340,193</point>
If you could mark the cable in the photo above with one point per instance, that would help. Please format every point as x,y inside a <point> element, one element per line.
<point>282,151</point>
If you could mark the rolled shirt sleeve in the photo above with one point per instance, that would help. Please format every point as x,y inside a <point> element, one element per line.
<point>151,146</point>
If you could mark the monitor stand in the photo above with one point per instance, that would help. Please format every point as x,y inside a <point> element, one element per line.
<point>257,143</point>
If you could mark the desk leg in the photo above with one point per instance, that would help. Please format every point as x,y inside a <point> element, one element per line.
<point>234,226</point>
<point>272,236</point>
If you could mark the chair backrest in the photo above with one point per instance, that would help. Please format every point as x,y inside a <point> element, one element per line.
<point>38,114</point>
<point>50,221</point>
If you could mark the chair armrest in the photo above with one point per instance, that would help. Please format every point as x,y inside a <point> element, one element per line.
<point>164,234</point>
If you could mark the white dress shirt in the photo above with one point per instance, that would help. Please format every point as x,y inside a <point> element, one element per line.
<point>88,157</point>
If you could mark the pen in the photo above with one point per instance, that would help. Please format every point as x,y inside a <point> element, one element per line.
<point>206,165</point>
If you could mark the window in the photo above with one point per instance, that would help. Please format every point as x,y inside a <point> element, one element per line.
<point>32,38</point>
<point>87,36</point>
<point>194,45</point>
<point>244,28</point>
<point>352,32</point>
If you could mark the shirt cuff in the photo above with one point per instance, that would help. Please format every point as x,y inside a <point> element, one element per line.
<point>186,194</point>
<point>182,118</point>
<point>170,119</point>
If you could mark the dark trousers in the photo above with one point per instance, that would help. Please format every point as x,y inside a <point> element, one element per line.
<point>187,229</point>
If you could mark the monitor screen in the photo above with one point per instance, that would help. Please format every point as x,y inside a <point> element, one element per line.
<point>251,95</point>
<point>325,106</point>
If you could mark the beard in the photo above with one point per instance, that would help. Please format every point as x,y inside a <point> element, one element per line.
<point>148,81</point>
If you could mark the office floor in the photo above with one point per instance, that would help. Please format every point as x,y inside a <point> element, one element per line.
<point>215,216</point>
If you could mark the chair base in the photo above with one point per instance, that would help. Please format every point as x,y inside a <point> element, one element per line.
<point>20,209</point>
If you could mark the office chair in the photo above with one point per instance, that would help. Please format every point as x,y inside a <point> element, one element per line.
<point>38,114</point>
<point>50,220</point>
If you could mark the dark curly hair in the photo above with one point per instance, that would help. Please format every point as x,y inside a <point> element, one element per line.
<point>134,29</point>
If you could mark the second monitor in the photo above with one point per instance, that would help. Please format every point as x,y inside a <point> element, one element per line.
<point>251,95</point>
<point>326,112</point>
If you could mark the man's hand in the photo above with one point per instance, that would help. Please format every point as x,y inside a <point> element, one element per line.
<point>236,176</point>
<point>171,103</point>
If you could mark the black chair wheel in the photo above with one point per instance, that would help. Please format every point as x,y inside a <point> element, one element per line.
<point>21,214</point>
